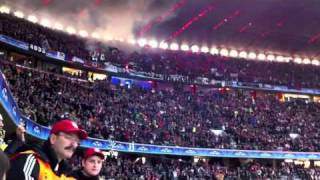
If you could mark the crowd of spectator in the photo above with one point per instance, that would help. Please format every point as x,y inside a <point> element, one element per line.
<point>165,62</point>
<point>155,168</point>
<point>174,116</point>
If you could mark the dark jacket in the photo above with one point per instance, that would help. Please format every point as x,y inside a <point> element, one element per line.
<point>79,175</point>
<point>25,166</point>
<point>13,147</point>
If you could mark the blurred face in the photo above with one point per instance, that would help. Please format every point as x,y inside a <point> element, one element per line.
<point>64,144</point>
<point>92,165</point>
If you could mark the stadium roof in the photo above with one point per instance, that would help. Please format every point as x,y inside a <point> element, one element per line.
<point>281,26</point>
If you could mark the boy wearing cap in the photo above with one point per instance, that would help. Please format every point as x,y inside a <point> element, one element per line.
<point>92,161</point>
<point>48,162</point>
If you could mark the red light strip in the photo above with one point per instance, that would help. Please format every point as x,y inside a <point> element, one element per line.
<point>162,17</point>
<point>194,19</point>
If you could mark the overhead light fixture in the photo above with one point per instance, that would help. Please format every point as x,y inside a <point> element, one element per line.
<point>243,54</point>
<point>83,33</point>
<point>164,45</point>
<point>297,60</point>
<point>45,23</point>
<point>280,58</point>
<point>184,47</point>
<point>306,61</point>
<point>18,14</point>
<point>142,42</point>
<point>315,62</point>
<point>214,51</point>
<point>70,30</point>
<point>271,57</point>
<point>153,43</point>
<point>234,53</point>
<point>95,35</point>
<point>261,56</point>
<point>195,48</point>
<point>205,49</point>
<point>4,9</point>
<point>58,26</point>
<point>224,52</point>
<point>252,55</point>
<point>174,46</point>
<point>32,18</point>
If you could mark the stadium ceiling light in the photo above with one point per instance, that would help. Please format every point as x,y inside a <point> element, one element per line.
<point>5,9</point>
<point>164,45</point>
<point>214,51</point>
<point>205,49</point>
<point>154,44</point>
<point>261,56</point>
<point>132,41</point>
<point>142,42</point>
<point>45,23</point>
<point>271,57</point>
<point>224,52</point>
<point>280,58</point>
<point>108,38</point>
<point>252,55</point>
<point>95,35</point>
<point>18,14</point>
<point>287,59</point>
<point>70,30</point>
<point>174,46</point>
<point>234,53</point>
<point>243,54</point>
<point>32,18</point>
<point>306,61</point>
<point>83,33</point>
<point>195,48</point>
<point>58,26</point>
<point>316,62</point>
<point>297,60</point>
<point>184,47</point>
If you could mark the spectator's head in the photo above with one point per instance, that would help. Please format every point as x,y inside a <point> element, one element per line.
<point>65,137</point>
<point>4,164</point>
<point>92,161</point>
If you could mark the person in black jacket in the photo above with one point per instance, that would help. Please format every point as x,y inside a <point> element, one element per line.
<point>91,162</point>
<point>48,161</point>
<point>17,141</point>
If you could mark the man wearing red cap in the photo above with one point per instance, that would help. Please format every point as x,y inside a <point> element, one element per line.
<point>92,161</point>
<point>48,162</point>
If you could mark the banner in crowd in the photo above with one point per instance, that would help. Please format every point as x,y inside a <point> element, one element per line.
<point>37,49</point>
<point>112,68</point>
<point>268,87</point>
<point>41,132</point>
<point>78,60</point>
<point>56,55</point>
<point>14,42</point>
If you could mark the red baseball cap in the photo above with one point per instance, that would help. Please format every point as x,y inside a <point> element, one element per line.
<point>92,152</point>
<point>68,126</point>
